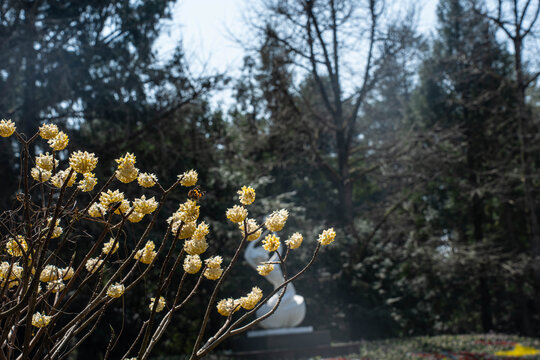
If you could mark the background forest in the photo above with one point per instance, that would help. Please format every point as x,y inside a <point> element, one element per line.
<point>421,151</point>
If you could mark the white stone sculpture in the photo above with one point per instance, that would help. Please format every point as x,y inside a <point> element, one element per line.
<point>292,308</point>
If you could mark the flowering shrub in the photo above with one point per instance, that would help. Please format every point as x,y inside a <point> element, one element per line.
<point>41,278</point>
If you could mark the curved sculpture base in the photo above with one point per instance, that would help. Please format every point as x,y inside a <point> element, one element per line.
<point>290,312</point>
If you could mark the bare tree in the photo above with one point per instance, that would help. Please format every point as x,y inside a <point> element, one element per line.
<point>341,47</point>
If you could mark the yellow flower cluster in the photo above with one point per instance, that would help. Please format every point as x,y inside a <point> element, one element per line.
<point>213,268</point>
<point>253,230</point>
<point>54,273</point>
<point>237,214</point>
<point>192,264</point>
<point>227,306</point>
<point>126,172</point>
<point>265,269</point>
<point>147,254</point>
<point>57,230</point>
<point>59,142</point>
<point>7,128</point>
<point>16,247</point>
<point>188,211</point>
<point>96,210</point>
<point>200,232</point>
<point>40,175</point>
<point>83,162</point>
<point>14,270</point>
<point>39,320</point>
<point>108,198</point>
<point>48,131</point>
<point>186,231</point>
<point>50,273</point>
<point>10,273</point>
<point>271,243</point>
<point>276,220</point>
<point>46,162</point>
<point>115,290</point>
<point>61,177</point>
<point>147,180</point>
<point>110,247</point>
<point>55,286</point>
<point>67,273</point>
<point>294,241</point>
<point>145,206</point>
<point>327,236</point>
<point>88,182</point>
<point>248,302</point>
<point>160,306</point>
<point>93,264</point>
<point>195,247</point>
<point>246,195</point>
<point>189,178</point>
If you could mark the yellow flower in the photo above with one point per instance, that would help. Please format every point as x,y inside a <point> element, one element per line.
<point>67,273</point>
<point>15,247</point>
<point>116,290</point>
<point>201,231</point>
<point>519,350</point>
<point>46,162</point>
<point>50,273</point>
<point>59,142</point>
<point>96,210</point>
<point>83,162</point>
<point>126,172</point>
<point>126,162</point>
<point>55,286</point>
<point>135,217</point>
<point>186,231</point>
<point>189,178</point>
<point>192,264</point>
<point>127,175</point>
<point>188,211</point>
<point>7,128</point>
<point>160,306</point>
<point>60,178</point>
<point>110,197</point>
<point>248,302</point>
<point>251,227</point>
<point>265,269</point>
<point>247,195</point>
<point>88,183</point>
<point>10,271</point>
<point>271,243</point>
<point>40,175</point>
<point>295,240</point>
<point>213,262</point>
<point>108,247</point>
<point>327,236</point>
<point>40,321</point>
<point>227,306</point>
<point>147,254</point>
<point>213,274</point>
<point>93,264</point>
<point>194,247</point>
<point>276,220</point>
<point>144,206</point>
<point>48,131</point>
<point>237,214</point>
<point>57,231</point>
<point>147,180</point>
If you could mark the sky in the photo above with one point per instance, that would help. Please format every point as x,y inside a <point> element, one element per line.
<point>205,27</point>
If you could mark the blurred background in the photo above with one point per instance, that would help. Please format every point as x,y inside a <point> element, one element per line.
<point>411,128</point>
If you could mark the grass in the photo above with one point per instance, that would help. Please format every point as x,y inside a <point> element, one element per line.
<point>451,347</point>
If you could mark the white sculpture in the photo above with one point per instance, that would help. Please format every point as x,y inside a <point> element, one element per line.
<point>292,308</point>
